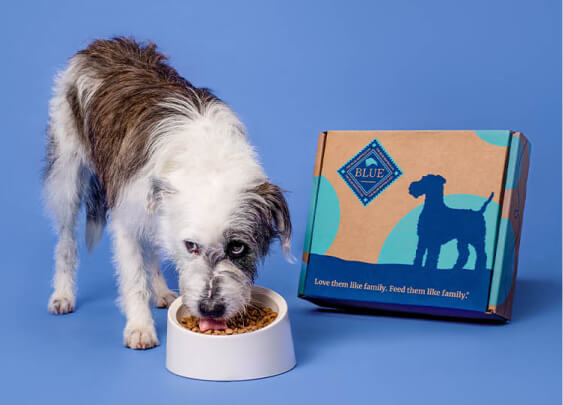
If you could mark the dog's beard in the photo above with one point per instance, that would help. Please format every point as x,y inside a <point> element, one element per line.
<point>224,284</point>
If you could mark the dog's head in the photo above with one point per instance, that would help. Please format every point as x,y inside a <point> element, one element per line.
<point>427,185</point>
<point>216,242</point>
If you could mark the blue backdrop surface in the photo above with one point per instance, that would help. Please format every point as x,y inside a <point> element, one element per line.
<point>292,69</point>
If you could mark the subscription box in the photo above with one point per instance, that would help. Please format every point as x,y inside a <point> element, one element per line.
<point>416,221</point>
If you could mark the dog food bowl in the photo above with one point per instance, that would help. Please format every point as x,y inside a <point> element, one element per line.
<point>262,353</point>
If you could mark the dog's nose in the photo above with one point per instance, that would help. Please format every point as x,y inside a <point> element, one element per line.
<point>210,309</point>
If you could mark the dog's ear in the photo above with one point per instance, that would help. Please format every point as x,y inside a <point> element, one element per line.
<point>279,215</point>
<point>442,180</point>
<point>159,188</point>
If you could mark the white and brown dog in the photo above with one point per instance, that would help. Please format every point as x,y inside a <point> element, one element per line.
<point>173,164</point>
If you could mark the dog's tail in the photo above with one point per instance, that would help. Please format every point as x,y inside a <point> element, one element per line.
<point>96,212</point>
<point>484,207</point>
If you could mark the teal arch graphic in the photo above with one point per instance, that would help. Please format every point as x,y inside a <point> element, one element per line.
<point>504,263</point>
<point>400,244</point>
<point>310,215</point>
<point>498,137</point>
<point>327,217</point>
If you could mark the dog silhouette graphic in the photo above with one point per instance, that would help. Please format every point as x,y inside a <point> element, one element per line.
<point>439,224</point>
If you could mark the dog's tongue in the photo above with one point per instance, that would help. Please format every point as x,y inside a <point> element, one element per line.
<point>209,323</point>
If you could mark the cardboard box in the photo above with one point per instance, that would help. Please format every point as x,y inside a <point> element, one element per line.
<point>416,221</point>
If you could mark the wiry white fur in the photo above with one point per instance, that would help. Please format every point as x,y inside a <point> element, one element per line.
<point>63,192</point>
<point>207,161</point>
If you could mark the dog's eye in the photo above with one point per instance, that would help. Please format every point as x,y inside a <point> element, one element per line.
<point>236,248</point>
<point>192,247</point>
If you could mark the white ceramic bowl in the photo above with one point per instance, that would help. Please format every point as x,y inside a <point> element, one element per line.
<point>262,353</point>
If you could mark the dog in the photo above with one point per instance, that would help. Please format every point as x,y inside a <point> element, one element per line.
<point>172,163</point>
<point>438,224</point>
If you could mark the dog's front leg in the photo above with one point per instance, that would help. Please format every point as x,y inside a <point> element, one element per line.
<point>162,295</point>
<point>134,290</point>
<point>420,249</point>
<point>432,257</point>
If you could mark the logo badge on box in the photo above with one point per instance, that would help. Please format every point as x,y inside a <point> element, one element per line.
<point>370,172</point>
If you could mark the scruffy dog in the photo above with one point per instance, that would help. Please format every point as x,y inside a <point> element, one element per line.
<point>173,164</point>
<point>439,224</point>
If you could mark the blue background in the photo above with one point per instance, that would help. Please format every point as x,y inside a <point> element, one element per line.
<point>292,69</point>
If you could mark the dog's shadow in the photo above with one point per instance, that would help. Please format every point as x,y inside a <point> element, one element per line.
<point>535,296</point>
<point>316,330</point>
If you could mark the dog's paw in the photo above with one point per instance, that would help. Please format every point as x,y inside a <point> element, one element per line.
<point>140,338</point>
<point>164,300</point>
<point>61,303</point>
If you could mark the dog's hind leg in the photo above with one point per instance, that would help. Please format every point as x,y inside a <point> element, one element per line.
<point>432,257</point>
<point>63,186</point>
<point>481,263</point>
<point>63,193</point>
<point>162,295</point>
<point>463,254</point>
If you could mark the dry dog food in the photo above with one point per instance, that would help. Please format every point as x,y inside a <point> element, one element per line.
<point>254,318</point>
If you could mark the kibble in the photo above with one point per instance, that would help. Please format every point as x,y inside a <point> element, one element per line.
<point>254,318</point>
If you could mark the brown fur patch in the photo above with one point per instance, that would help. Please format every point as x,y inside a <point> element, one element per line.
<point>122,112</point>
<point>262,219</point>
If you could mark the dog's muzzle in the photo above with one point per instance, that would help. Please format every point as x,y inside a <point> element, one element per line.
<point>210,308</point>
<point>414,189</point>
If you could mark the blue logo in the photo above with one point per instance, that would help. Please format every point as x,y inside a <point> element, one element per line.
<point>370,172</point>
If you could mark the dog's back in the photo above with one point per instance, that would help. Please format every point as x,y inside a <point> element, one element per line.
<point>118,91</point>
<point>103,119</point>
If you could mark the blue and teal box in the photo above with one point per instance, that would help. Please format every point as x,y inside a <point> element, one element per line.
<point>416,221</point>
